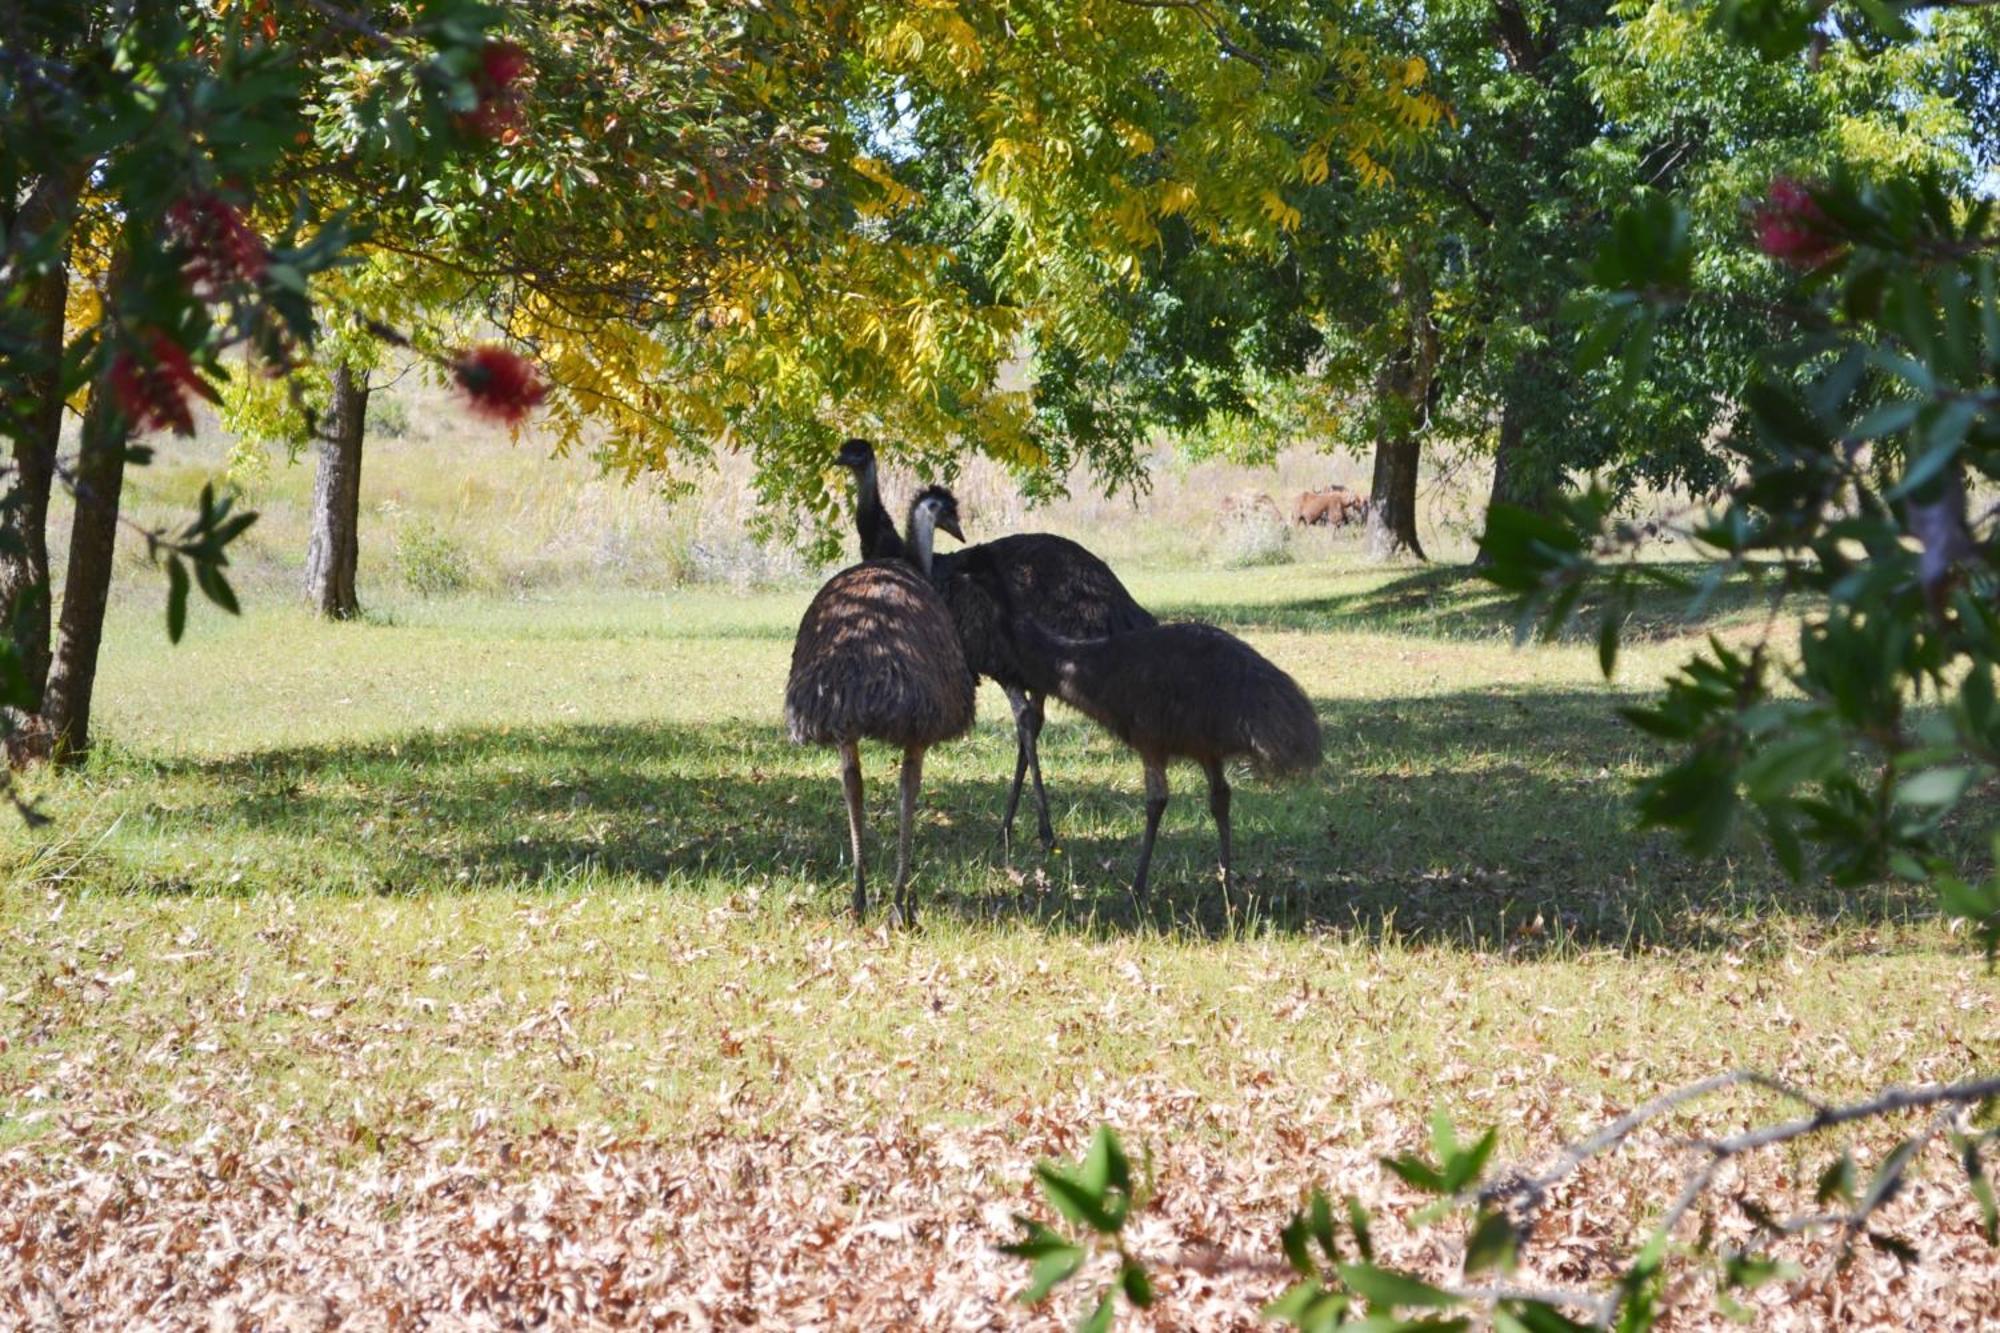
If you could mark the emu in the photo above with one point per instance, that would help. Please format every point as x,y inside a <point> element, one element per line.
<point>879,538</point>
<point>876,658</point>
<point>1176,691</point>
<point>1072,592</point>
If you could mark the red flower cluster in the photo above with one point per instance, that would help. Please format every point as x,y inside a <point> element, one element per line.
<point>222,249</point>
<point>1791,227</point>
<point>501,65</point>
<point>152,389</point>
<point>500,384</point>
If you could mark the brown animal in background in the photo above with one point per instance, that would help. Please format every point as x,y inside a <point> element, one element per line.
<point>1334,506</point>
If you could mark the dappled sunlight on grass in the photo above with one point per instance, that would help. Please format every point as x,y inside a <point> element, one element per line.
<point>1473,794</point>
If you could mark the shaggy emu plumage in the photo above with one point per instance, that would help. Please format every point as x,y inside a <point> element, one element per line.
<point>879,538</point>
<point>1065,587</point>
<point>876,658</point>
<point>1179,691</point>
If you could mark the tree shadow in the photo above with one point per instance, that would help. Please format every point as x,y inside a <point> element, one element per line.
<point>1456,602</point>
<point>1493,820</point>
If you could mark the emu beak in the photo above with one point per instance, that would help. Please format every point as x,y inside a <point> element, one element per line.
<point>949,523</point>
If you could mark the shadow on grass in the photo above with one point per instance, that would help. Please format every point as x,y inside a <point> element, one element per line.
<point>1490,820</point>
<point>1455,602</point>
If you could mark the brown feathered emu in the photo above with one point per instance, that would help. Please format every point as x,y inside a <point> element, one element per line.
<point>1065,587</point>
<point>876,658</point>
<point>1177,691</point>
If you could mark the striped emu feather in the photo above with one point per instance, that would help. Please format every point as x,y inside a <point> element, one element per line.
<point>876,658</point>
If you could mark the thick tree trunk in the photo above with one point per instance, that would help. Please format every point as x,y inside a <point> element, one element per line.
<point>36,429</point>
<point>1392,504</point>
<point>93,541</point>
<point>1408,381</point>
<point>335,545</point>
<point>24,517</point>
<point>1519,478</point>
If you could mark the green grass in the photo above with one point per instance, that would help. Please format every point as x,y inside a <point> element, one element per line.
<point>1473,794</point>
<point>361,898</point>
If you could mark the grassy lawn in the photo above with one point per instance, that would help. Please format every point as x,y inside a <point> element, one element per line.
<point>489,958</point>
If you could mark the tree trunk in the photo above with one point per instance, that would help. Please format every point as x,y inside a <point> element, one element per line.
<point>1519,477</point>
<point>1407,381</point>
<point>335,546</point>
<point>1392,504</point>
<point>93,541</point>
<point>24,513</point>
<point>36,430</point>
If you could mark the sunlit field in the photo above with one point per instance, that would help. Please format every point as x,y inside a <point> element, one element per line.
<point>488,958</point>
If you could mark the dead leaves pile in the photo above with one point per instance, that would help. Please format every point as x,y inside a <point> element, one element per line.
<point>817,1226</point>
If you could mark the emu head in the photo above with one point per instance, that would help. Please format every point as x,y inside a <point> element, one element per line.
<point>856,455</point>
<point>939,507</point>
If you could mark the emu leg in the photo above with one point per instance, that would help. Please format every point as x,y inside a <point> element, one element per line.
<point>1017,700</point>
<point>1218,805</point>
<point>1037,714</point>
<point>1156,805</point>
<point>1029,714</point>
<point>913,781</point>
<point>850,782</point>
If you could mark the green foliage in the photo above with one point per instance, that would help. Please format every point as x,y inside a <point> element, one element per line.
<point>430,561</point>
<point>158,149</point>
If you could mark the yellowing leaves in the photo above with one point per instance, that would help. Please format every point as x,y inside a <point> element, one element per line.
<point>1134,138</point>
<point>895,195</point>
<point>1279,213</point>
<point>1313,166</point>
<point>1133,217</point>
<point>1367,170</point>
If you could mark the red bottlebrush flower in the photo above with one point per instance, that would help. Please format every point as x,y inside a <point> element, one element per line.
<point>222,249</point>
<point>501,65</point>
<point>1792,228</point>
<point>501,384</point>
<point>152,388</point>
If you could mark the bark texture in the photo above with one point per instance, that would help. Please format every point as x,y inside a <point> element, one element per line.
<point>1407,382</point>
<point>334,548</point>
<point>93,541</point>
<point>24,519</point>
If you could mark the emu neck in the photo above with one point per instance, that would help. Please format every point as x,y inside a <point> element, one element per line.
<point>879,538</point>
<point>923,535</point>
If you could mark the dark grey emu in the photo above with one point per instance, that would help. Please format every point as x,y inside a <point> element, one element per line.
<point>879,538</point>
<point>1180,691</point>
<point>876,658</point>
<point>1063,586</point>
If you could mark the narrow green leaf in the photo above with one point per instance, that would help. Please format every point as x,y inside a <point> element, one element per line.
<point>1293,1241</point>
<point>1935,786</point>
<point>177,598</point>
<point>1364,1235</point>
<point>1385,1286</point>
<point>1136,1283</point>
<point>1492,1245</point>
<point>1837,1181</point>
<point>1416,1171</point>
<point>1982,1188</point>
<point>1322,1225</point>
